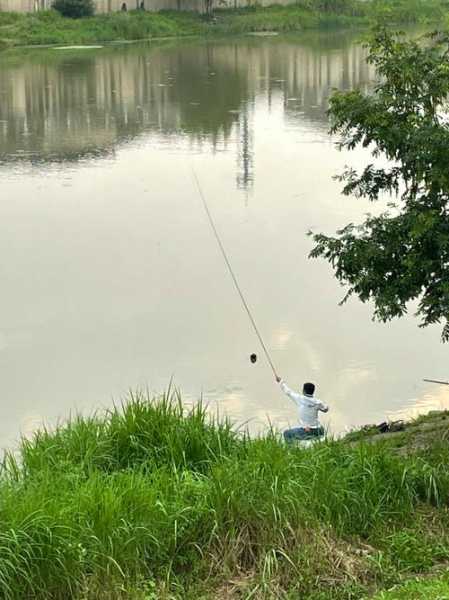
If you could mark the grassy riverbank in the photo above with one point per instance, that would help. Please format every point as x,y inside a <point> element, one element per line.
<point>149,502</point>
<point>50,28</point>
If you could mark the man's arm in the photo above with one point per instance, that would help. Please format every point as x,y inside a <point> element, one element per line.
<point>290,393</point>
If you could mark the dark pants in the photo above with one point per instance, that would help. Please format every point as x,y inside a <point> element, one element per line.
<point>299,433</point>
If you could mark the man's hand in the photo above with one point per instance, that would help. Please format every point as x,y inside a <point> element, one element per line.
<point>278,379</point>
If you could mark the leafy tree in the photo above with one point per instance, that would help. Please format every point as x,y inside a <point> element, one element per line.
<point>403,254</point>
<point>74,9</point>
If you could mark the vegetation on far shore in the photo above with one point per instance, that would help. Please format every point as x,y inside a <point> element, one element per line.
<point>50,28</point>
<point>149,502</point>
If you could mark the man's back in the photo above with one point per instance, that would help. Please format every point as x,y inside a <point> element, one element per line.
<point>308,407</point>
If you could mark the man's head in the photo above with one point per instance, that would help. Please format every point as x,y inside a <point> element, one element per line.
<point>308,389</point>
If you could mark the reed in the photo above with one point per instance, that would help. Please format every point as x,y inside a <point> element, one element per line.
<point>151,498</point>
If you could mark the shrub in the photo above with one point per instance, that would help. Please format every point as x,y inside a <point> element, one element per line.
<point>74,9</point>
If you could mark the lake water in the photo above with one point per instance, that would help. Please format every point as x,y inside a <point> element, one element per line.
<point>110,276</point>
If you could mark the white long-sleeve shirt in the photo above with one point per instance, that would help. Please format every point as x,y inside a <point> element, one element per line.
<point>308,407</point>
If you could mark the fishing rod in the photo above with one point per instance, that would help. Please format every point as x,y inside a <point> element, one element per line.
<point>436,381</point>
<point>234,278</point>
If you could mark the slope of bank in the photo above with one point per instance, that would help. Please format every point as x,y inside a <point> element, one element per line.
<point>45,28</point>
<point>405,437</point>
<point>150,501</point>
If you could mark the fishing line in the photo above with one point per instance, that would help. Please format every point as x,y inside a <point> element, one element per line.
<point>234,278</point>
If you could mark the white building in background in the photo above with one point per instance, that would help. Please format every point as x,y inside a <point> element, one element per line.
<point>103,6</point>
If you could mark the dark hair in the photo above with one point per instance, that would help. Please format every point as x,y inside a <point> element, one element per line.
<point>308,388</point>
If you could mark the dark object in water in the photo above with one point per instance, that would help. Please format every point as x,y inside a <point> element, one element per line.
<point>253,358</point>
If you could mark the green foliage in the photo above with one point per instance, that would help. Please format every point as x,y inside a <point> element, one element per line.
<point>435,588</point>
<point>401,255</point>
<point>275,18</point>
<point>151,497</point>
<point>412,553</point>
<point>50,27</point>
<point>74,9</point>
<point>337,6</point>
<point>409,11</point>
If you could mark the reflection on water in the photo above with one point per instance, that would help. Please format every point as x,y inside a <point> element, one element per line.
<point>110,276</point>
<point>60,106</point>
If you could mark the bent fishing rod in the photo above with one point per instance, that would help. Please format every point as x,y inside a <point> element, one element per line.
<point>233,276</point>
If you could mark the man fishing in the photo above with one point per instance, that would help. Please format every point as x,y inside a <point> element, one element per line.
<point>308,408</point>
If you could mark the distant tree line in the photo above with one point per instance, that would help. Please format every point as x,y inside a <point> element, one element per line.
<point>74,9</point>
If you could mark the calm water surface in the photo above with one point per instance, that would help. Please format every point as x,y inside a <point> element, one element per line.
<point>110,276</point>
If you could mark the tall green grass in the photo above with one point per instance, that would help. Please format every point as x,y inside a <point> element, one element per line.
<point>150,499</point>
